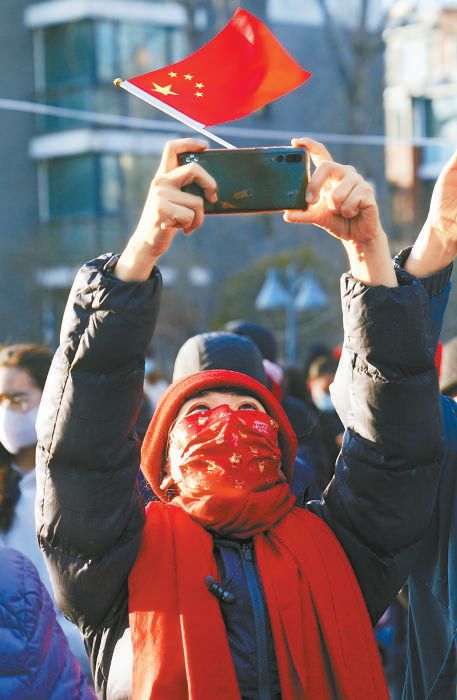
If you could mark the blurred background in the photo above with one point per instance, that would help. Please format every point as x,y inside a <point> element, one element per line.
<point>77,154</point>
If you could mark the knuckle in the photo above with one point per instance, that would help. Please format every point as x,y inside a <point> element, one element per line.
<point>326,165</point>
<point>189,219</point>
<point>159,181</point>
<point>367,189</point>
<point>347,211</point>
<point>194,169</point>
<point>318,145</point>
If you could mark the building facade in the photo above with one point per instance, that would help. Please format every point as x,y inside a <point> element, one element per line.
<point>18,192</point>
<point>420,104</point>
<point>87,177</point>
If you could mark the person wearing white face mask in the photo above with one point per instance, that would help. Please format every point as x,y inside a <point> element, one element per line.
<point>23,371</point>
<point>19,399</point>
<point>321,374</point>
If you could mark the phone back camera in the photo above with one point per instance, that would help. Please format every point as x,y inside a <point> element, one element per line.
<point>294,157</point>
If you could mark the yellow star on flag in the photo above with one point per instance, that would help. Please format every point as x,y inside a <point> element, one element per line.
<point>199,85</point>
<point>188,76</point>
<point>163,89</point>
<point>172,74</point>
<point>198,94</point>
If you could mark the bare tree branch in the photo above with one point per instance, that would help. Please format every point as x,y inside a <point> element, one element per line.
<point>337,37</point>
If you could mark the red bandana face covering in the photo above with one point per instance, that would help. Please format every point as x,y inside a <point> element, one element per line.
<point>230,466</point>
<point>225,451</point>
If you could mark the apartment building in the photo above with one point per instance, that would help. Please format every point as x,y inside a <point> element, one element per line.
<point>420,101</point>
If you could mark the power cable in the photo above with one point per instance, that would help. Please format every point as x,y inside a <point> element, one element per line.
<point>229,131</point>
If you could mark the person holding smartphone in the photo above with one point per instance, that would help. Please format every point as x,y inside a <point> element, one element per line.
<point>224,588</point>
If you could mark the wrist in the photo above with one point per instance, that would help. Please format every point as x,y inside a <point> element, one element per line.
<point>137,260</point>
<point>370,260</point>
<point>433,251</point>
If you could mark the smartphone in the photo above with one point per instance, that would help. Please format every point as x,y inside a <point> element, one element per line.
<point>252,180</point>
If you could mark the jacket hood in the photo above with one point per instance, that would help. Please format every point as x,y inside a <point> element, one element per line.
<point>155,444</point>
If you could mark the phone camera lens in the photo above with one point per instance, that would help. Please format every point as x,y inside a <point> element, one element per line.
<point>280,159</point>
<point>294,157</point>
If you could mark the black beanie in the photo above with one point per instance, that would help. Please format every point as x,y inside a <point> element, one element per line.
<point>219,350</point>
<point>260,335</point>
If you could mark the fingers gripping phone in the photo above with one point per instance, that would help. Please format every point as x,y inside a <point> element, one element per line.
<point>251,180</point>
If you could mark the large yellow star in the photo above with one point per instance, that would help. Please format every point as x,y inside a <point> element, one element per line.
<point>163,89</point>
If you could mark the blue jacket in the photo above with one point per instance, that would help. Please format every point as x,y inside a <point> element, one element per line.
<point>35,661</point>
<point>431,672</point>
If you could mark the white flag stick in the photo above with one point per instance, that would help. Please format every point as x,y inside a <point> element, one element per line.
<point>151,100</point>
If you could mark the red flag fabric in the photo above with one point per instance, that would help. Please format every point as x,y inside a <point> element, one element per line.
<point>242,69</point>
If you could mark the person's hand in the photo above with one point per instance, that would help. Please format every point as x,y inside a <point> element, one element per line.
<point>436,245</point>
<point>340,200</point>
<point>342,203</point>
<point>167,209</point>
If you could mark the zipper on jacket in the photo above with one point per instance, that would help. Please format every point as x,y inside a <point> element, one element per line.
<point>260,622</point>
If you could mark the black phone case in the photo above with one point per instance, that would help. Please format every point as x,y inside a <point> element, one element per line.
<point>251,180</point>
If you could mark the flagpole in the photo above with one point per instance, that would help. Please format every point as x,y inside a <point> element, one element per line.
<point>174,113</point>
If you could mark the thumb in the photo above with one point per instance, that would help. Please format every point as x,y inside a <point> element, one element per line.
<point>300,216</point>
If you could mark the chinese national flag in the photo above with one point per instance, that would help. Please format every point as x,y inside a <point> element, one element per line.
<point>242,69</point>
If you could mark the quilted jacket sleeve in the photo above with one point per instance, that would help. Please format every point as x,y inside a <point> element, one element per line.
<point>437,286</point>
<point>89,515</point>
<point>382,495</point>
<point>35,661</point>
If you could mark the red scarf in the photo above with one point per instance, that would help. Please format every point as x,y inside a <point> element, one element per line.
<point>324,642</point>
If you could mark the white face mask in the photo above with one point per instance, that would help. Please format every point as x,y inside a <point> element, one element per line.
<point>148,366</point>
<point>17,430</point>
<point>324,402</point>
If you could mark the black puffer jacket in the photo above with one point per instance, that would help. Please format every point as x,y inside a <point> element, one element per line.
<point>89,515</point>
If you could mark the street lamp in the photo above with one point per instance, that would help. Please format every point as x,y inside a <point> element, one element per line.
<point>301,292</point>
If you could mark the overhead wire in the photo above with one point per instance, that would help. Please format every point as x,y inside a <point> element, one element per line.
<point>161,125</point>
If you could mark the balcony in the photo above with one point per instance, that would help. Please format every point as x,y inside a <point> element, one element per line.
<point>45,14</point>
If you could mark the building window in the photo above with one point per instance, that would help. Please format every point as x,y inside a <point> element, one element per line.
<point>72,187</point>
<point>107,63</point>
<point>79,53</point>
<point>141,49</point>
<point>69,54</point>
<point>137,173</point>
<point>93,186</point>
<point>110,185</point>
<point>128,49</point>
<point>77,62</point>
<point>436,118</point>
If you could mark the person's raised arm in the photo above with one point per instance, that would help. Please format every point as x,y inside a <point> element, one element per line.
<point>381,498</point>
<point>436,245</point>
<point>89,514</point>
<point>342,203</point>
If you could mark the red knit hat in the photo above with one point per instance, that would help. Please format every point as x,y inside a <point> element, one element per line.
<point>155,444</point>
